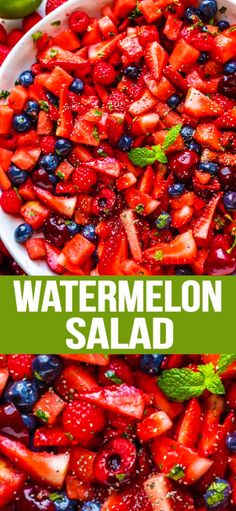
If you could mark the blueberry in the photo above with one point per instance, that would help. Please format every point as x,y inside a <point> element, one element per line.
<point>77,86</point>
<point>52,98</point>
<point>32,109</point>
<point>63,147</point>
<point>176,189</point>
<point>16,175</point>
<point>125,143</point>
<point>23,232</point>
<point>91,506</point>
<point>229,200</point>
<point>223,25</point>
<point>209,166</point>
<point>131,71</point>
<point>46,367</point>
<point>50,162</point>
<point>21,123</point>
<point>151,364</point>
<point>74,228</point>
<point>63,503</point>
<point>174,101</point>
<point>163,221</point>
<point>231,441</point>
<point>218,494</point>
<point>23,394</point>
<point>30,422</point>
<point>89,233</point>
<point>194,146</point>
<point>230,67</point>
<point>208,8</point>
<point>187,133</point>
<point>190,14</point>
<point>203,57</point>
<point>26,78</point>
<point>183,270</point>
<point>53,179</point>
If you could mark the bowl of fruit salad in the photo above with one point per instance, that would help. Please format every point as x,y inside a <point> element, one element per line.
<point>117,140</point>
<point>118,433</point>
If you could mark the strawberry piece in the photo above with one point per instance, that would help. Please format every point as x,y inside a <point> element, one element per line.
<point>208,135</point>
<point>100,360</point>
<point>181,217</point>
<point>211,425</point>
<point>117,102</point>
<point>108,166</point>
<point>51,437</point>
<point>65,121</point>
<point>74,379</point>
<point>47,467</point>
<point>4,375</point>
<point>156,58</point>
<point>129,220</point>
<point>11,482</point>
<point>82,421</point>
<point>20,366</point>
<point>79,490</point>
<point>64,205</point>
<point>182,250</point>
<point>123,399</point>
<point>49,407</point>
<point>202,226</point>
<point>117,371</point>
<point>81,463</point>
<point>190,426</point>
<point>198,105</point>
<point>154,425</point>
<point>52,254</point>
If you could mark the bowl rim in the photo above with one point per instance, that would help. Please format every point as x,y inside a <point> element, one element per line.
<point>19,252</point>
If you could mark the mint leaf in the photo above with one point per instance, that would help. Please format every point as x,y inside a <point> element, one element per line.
<point>142,156</point>
<point>41,415</point>
<point>207,370</point>
<point>158,256</point>
<point>111,375</point>
<point>171,136</point>
<point>215,385</point>
<point>4,94</point>
<point>160,155</point>
<point>176,473</point>
<point>181,384</point>
<point>37,35</point>
<point>53,53</point>
<point>224,361</point>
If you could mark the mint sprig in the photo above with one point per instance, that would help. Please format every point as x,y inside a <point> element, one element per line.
<point>143,156</point>
<point>182,384</point>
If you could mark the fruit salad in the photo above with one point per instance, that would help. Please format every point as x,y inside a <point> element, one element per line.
<point>118,145</point>
<point>118,433</point>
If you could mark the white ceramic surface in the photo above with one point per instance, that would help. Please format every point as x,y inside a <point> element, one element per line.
<point>20,58</point>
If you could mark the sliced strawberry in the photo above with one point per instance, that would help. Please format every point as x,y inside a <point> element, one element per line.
<point>156,58</point>
<point>100,360</point>
<point>51,437</point>
<point>74,379</point>
<point>203,224</point>
<point>82,420</point>
<point>4,375</point>
<point>129,221</point>
<point>154,425</point>
<point>52,254</point>
<point>114,252</point>
<point>123,399</point>
<point>108,166</point>
<point>190,425</point>
<point>181,217</point>
<point>182,250</point>
<point>64,205</point>
<point>211,425</point>
<point>11,482</point>
<point>198,105</point>
<point>49,468</point>
<point>81,463</point>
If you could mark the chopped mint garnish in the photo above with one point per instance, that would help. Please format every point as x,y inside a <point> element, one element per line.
<point>41,415</point>
<point>158,256</point>
<point>4,94</point>
<point>37,35</point>
<point>56,23</point>
<point>44,105</point>
<point>53,53</point>
<point>111,375</point>
<point>176,473</point>
<point>143,156</point>
<point>139,208</point>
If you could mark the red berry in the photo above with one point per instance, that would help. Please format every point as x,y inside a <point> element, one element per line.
<point>10,202</point>
<point>3,34</point>
<point>47,144</point>
<point>83,420</point>
<point>14,36</point>
<point>36,69</point>
<point>79,21</point>
<point>4,50</point>
<point>30,21</point>
<point>84,178</point>
<point>103,202</point>
<point>116,462</point>
<point>104,73</point>
<point>20,366</point>
<point>51,5</point>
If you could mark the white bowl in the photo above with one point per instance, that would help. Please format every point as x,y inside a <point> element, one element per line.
<point>20,58</point>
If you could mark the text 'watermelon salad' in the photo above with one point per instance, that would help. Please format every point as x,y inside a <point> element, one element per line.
<point>118,433</point>
<point>119,143</point>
